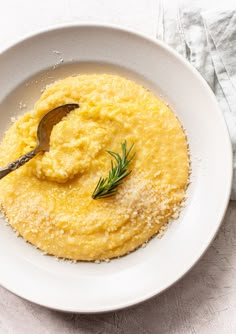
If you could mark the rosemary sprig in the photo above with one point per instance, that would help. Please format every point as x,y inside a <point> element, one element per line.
<point>107,187</point>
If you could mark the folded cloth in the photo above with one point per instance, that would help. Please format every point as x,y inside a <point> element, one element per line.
<point>207,39</point>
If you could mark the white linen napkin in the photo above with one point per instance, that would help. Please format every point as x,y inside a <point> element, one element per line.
<point>207,39</point>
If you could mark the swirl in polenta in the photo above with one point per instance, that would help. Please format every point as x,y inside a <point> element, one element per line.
<point>48,200</point>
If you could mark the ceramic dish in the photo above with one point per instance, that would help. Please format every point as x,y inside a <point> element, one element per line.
<point>40,59</point>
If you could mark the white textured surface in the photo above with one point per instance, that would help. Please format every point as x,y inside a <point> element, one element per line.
<point>204,301</point>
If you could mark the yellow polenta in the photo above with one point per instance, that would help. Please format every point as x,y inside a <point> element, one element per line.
<point>48,201</point>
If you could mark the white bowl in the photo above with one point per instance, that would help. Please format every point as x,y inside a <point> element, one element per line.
<point>88,287</point>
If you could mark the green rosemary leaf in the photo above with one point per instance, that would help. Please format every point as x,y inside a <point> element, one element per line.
<point>107,187</point>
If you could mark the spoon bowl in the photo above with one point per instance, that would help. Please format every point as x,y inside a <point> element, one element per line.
<point>44,130</point>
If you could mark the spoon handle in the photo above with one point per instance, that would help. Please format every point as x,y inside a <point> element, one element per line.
<point>17,163</point>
